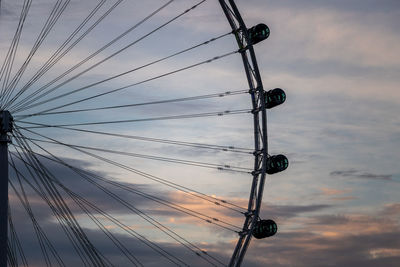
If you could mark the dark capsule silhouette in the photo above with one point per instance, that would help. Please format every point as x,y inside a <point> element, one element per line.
<point>258,33</point>
<point>274,98</point>
<point>277,163</point>
<point>265,228</point>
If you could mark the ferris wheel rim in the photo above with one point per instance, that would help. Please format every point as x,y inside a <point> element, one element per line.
<point>256,91</point>
<point>259,118</point>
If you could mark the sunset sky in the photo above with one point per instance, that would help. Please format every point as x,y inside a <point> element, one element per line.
<point>338,203</point>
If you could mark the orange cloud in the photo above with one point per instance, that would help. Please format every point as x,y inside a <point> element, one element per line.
<point>206,210</point>
<point>351,239</point>
<point>332,191</point>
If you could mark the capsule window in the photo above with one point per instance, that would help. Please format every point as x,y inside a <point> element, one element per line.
<point>258,33</point>
<point>274,98</point>
<point>265,228</point>
<point>276,164</point>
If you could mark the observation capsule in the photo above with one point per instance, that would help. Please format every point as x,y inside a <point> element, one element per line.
<point>264,228</point>
<point>277,163</point>
<point>258,33</point>
<point>274,98</point>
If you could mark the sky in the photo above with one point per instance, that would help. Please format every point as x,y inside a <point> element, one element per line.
<point>338,61</point>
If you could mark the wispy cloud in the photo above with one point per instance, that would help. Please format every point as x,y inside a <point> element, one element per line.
<point>337,240</point>
<point>338,62</point>
<point>362,175</point>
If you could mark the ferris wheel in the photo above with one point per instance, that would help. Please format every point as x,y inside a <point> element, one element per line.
<point>130,135</point>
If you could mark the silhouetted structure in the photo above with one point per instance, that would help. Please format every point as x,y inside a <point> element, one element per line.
<point>261,101</point>
<point>5,128</point>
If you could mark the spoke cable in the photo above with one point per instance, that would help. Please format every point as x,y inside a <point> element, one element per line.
<point>60,217</point>
<point>17,239</point>
<point>15,244</point>
<point>113,54</point>
<point>122,248</point>
<point>142,214</point>
<point>43,196</point>
<point>137,155</point>
<point>175,117</point>
<point>87,59</point>
<point>188,211</point>
<point>25,203</point>
<point>182,99</point>
<point>63,208</point>
<point>190,191</point>
<point>59,54</point>
<point>57,11</point>
<point>51,178</point>
<point>125,227</point>
<point>40,234</point>
<point>158,140</point>
<point>27,106</point>
<point>124,87</point>
<point>170,204</point>
<point>49,181</point>
<point>7,64</point>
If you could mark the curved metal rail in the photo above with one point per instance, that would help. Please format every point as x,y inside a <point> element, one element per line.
<point>260,128</point>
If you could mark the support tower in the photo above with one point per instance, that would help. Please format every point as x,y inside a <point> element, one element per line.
<point>6,126</point>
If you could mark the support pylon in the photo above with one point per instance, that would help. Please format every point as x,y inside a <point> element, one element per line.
<point>5,129</point>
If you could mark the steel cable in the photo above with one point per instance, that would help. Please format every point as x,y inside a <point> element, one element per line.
<point>58,55</point>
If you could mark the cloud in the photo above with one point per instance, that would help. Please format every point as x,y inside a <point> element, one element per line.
<point>338,61</point>
<point>307,235</point>
<point>334,240</point>
<point>182,223</point>
<point>142,199</point>
<point>359,6</point>
<point>336,35</point>
<point>290,211</point>
<point>333,192</point>
<point>362,175</point>
<point>390,209</point>
<point>137,248</point>
<point>337,194</point>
